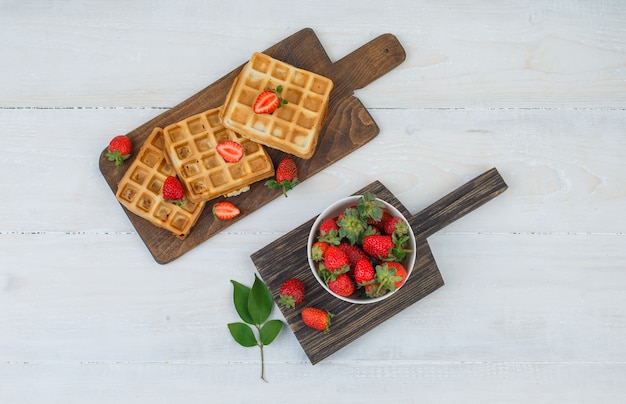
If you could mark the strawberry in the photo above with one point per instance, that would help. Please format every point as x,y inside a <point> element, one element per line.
<point>395,225</point>
<point>391,275</point>
<point>291,293</point>
<point>374,290</point>
<point>353,252</point>
<point>327,225</point>
<point>316,318</point>
<point>369,207</point>
<point>351,225</point>
<point>378,246</point>
<point>286,176</point>
<point>173,190</point>
<point>225,210</point>
<point>329,231</point>
<point>381,222</point>
<point>343,285</point>
<point>335,260</point>
<point>230,151</point>
<point>364,272</point>
<point>385,247</point>
<point>318,249</point>
<point>268,101</point>
<point>119,149</point>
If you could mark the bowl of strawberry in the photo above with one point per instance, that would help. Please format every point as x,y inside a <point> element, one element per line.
<point>361,249</point>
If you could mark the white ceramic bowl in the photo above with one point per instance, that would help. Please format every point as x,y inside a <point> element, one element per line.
<point>335,210</point>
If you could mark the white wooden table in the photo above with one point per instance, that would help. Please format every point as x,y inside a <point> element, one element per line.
<point>533,309</point>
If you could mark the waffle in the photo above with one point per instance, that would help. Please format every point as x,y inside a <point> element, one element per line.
<point>191,143</point>
<point>139,190</point>
<point>292,128</point>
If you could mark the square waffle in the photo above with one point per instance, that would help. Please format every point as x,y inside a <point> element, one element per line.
<point>139,190</point>
<point>292,128</point>
<point>191,143</point>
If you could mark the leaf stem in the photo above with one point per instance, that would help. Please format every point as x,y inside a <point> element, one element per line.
<point>258,326</point>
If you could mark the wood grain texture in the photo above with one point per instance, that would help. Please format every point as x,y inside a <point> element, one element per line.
<point>348,126</point>
<point>287,257</point>
<point>533,305</point>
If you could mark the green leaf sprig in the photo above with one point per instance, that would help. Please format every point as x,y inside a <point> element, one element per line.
<point>254,306</point>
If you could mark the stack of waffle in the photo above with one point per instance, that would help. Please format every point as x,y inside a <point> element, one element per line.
<point>187,149</point>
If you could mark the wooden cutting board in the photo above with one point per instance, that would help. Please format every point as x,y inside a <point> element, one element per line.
<point>286,257</point>
<point>348,126</point>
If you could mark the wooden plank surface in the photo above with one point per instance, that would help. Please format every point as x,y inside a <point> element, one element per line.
<point>347,127</point>
<point>532,309</point>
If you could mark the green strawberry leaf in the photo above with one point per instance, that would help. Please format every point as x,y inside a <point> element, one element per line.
<point>269,331</point>
<point>259,301</point>
<point>241,295</point>
<point>242,333</point>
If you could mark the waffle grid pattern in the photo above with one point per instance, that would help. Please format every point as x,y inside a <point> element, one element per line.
<point>292,128</point>
<point>191,144</point>
<point>139,190</point>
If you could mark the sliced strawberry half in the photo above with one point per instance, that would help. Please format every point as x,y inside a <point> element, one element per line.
<point>225,210</point>
<point>268,101</point>
<point>230,151</point>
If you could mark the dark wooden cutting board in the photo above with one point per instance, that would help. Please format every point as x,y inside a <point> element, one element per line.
<point>286,257</point>
<point>348,126</point>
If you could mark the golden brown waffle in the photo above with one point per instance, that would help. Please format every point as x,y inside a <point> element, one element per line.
<point>191,143</point>
<point>292,128</point>
<point>139,190</point>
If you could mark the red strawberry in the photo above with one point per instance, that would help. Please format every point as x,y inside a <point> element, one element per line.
<point>378,246</point>
<point>230,151</point>
<point>380,223</point>
<point>385,247</point>
<point>364,272</point>
<point>119,149</point>
<point>343,285</point>
<point>268,101</point>
<point>374,290</point>
<point>318,249</point>
<point>327,225</point>
<point>318,319</point>
<point>335,260</point>
<point>353,252</point>
<point>225,210</point>
<point>391,275</point>
<point>173,190</point>
<point>395,225</point>
<point>291,293</point>
<point>286,176</point>
<point>329,231</point>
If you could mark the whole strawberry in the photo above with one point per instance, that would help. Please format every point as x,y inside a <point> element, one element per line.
<point>318,249</point>
<point>385,247</point>
<point>119,149</point>
<point>396,225</point>
<point>335,260</point>
<point>316,318</point>
<point>343,285</point>
<point>364,273</point>
<point>173,190</point>
<point>390,275</point>
<point>329,231</point>
<point>286,176</point>
<point>353,252</point>
<point>291,293</point>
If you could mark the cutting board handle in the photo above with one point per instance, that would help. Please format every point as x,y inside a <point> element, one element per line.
<point>367,63</point>
<point>458,203</point>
